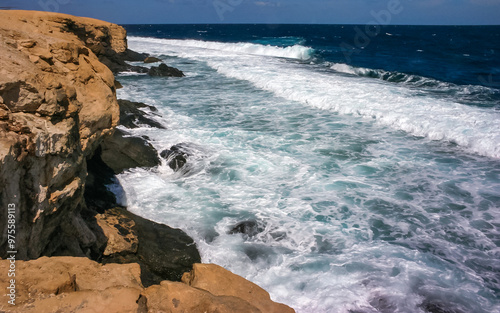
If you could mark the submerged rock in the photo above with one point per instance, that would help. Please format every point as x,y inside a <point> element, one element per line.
<point>165,71</point>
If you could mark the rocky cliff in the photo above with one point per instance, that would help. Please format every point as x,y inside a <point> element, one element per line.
<point>57,106</point>
<point>57,102</point>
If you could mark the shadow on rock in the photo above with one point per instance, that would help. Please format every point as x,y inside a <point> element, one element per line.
<point>164,253</point>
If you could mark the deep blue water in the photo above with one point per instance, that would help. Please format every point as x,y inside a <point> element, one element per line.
<point>371,167</point>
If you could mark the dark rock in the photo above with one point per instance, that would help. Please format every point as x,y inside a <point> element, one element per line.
<point>116,64</point>
<point>164,253</point>
<point>121,152</point>
<point>176,156</point>
<point>165,71</point>
<point>249,228</point>
<point>131,115</point>
<point>97,196</point>
<point>130,55</point>
<point>151,60</point>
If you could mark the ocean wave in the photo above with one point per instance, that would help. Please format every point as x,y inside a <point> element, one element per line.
<point>291,52</point>
<point>473,128</point>
<point>468,94</point>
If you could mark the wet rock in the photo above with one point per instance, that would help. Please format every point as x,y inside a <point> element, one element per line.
<point>249,228</point>
<point>132,117</point>
<point>151,60</point>
<point>176,156</point>
<point>165,71</point>
<point>164,253</point>
<point>121,152</point>
<point>97,196</point>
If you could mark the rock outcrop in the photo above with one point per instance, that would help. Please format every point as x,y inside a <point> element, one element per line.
<point>161,251</point>
<point>164,70</point>
<point>58,116</point>
<point>57,103</point>
<point>68,284</point>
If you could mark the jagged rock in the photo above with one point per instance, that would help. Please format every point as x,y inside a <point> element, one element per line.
<point>221,282</point>
<point>97,196</point>
<point>131,116</point>
<point>121,152</point>
<point>248,228</point>
<point>164,253</point>
<point>151,60</point>
<point>176,156</point>
<point>69,284</point>
<point>179,297</point>
<point>165,71</point>
<point>59,103</point>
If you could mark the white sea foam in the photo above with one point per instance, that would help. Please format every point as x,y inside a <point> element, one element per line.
<point>476,129</point>
<point>354,216</point>
<point>292,52</point>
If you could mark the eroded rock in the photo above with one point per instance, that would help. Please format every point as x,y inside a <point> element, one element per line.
<point>164,70</point>
<point>121,152</point>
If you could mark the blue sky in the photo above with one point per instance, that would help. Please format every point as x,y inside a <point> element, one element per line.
<point>434,12</point>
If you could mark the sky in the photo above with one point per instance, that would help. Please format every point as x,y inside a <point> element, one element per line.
<point>395,12</point>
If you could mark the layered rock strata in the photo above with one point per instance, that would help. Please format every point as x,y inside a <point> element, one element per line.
<point>57,103</point>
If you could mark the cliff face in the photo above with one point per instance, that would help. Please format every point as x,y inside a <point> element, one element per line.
<point>57,102</point>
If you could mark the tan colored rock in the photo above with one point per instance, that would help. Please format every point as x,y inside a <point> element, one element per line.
<point>58,103</point>
<point>221,282</point>
<point>72,284</point>
<point>122,238</point>
<point>174,297</point>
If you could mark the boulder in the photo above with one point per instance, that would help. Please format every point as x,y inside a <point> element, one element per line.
<point>177,156</point>
<point>151,60</point>
<point>165,71</point>
<point>221,282</point>
<point>164,253</point>
<point>248,228</point>
<point>179,297</point>
<point>121,152</point>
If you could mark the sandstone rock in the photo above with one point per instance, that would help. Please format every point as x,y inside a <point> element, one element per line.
<point>121,152</point>
<point>165,71</point>
<point>177,297</point>
<point>220,282</point>
<point>151,60</point>
<point>69,284</point>
<point>58,103</point>
<point>162,252</point>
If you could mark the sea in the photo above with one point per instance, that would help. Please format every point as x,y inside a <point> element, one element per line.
<point>363,161</point>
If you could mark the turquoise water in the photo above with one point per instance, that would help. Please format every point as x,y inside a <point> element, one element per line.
<point>370,196</point>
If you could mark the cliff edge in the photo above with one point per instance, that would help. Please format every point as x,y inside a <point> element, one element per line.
<point>57,106</point>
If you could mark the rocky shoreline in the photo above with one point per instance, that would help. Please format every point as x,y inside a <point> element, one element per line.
<point>77,250</point>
